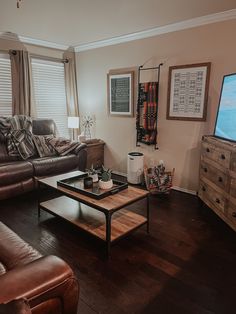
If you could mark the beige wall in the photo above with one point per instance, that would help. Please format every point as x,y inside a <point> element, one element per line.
<point>179,141</point>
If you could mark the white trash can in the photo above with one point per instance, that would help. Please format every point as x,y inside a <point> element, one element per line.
<point>135,167</point>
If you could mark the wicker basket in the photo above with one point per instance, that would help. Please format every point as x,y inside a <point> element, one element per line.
<point>158,183</point>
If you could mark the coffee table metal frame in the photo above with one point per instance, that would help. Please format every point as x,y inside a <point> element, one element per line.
<point>94,204</point>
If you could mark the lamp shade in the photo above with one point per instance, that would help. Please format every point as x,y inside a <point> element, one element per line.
<point>73,122</point>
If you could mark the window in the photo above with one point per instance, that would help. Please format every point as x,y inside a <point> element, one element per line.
<point>49,91</point>
<point>5,85</point>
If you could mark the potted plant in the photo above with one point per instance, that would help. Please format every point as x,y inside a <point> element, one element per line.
<point>105,182</point>
<point>93,173</point>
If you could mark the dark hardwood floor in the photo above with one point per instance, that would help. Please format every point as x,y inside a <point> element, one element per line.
<point>186,264</point>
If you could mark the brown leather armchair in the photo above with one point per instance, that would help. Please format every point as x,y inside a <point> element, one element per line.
<point>46,282</point>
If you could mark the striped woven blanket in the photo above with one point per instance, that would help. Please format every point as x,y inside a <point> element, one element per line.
<point>147,113</point>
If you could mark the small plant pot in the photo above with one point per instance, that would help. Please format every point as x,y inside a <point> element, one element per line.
<point>88,183</point>
<point>94,176</point>
<point>105,185</point>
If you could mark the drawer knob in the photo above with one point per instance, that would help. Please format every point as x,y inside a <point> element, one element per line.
<point>222,156</point>
<point>234,214</point>
<point>205,169</point>
<point>220,179</point>
<point>208,150</point>
<point>203,189</point>
<point>217,201</point>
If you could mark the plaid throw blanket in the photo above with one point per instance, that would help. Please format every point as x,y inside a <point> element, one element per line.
<point>147,113</point>
<point>18,133</point>
<point>5,125</point>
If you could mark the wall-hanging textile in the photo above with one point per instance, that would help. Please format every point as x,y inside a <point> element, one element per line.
<point>147,113</point>
<point>147,110</point>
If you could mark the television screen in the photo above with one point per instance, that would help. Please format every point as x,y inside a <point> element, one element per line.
<point>225,126</point>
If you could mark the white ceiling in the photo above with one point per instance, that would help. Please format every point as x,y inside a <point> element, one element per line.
<point>77,22</point>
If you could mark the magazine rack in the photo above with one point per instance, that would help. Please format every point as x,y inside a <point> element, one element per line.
<point>158,182</point>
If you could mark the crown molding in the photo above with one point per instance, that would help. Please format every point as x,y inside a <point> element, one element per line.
<point>195,22</point>
<point>32,41</point>
<point>43,43</point>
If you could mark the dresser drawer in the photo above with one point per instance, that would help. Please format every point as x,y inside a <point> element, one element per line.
<point>231,213</point>
<point>211,197</point>
<point>217,154</point>
<point>213,174</point>
<point>232,190</point>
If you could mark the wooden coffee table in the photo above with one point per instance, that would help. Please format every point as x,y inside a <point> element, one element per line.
<point>106,219</point>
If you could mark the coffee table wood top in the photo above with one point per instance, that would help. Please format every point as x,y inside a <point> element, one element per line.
<point>109,203</point>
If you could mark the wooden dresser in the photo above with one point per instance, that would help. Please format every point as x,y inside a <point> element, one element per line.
<point>217,187</point>
<point>95,153</point>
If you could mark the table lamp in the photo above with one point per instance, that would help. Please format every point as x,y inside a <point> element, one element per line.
<point>73,123</point>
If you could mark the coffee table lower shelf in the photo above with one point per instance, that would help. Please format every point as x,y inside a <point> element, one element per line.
<point>93,221</point>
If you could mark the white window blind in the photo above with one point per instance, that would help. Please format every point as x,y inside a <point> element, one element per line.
<point>5,85</point>
<point>49,92</point>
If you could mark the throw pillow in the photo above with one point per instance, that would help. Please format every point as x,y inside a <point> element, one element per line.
<point>19,136</point>
<point>11,146</point>
<point>24,143</point>
<point>62,145</point>
<point>43,146</point>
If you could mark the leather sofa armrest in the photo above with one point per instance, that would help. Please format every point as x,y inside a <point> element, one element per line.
<point>79,148</point>
<point>81,152</point>
<point>41,280</point>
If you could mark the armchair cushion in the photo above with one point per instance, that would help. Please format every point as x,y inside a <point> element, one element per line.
<point>48,283</point>
<point>19,306</point>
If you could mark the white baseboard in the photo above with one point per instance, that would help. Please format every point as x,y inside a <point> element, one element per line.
<point>177,188</point>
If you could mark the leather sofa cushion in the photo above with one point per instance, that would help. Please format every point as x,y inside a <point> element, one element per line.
<point>44,127</point>
<point>55,165</point>
<point>17,188</point>
<point>14,252</point>
<point>15,171</point>
<point>4,157</point>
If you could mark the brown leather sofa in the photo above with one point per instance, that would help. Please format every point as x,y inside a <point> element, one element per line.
<point>17,176</point>
<point>43,284</point>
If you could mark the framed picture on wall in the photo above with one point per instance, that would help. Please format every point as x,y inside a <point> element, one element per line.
<point>188,92</point>
<point>120,93</point>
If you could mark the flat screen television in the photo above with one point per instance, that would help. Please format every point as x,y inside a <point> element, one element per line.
<point>225,126</point>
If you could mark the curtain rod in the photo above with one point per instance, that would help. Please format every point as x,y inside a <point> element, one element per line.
<point>49,58</point>
<point>32,55</point>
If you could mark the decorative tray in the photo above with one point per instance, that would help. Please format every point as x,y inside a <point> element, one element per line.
<point>77,184</point>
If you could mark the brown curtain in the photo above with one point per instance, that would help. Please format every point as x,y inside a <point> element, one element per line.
<point>71,86</point>
<point>21,83</point>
